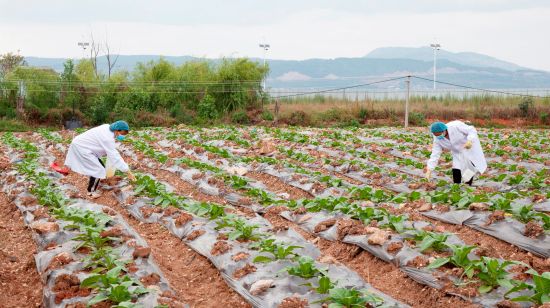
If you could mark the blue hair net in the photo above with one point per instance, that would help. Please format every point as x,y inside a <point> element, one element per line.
<point>438,127</point>
<point>119,125</point>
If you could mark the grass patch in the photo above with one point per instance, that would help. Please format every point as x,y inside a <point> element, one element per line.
<point>12,125</point>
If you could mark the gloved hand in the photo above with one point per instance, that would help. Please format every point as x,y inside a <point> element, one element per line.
<point>131,176</point>
<point>428,174</point>
<point>468,145</point>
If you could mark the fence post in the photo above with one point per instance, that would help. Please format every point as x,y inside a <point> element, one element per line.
<point>276,110</point>
<point>408,82</point>
<point>20,107</point>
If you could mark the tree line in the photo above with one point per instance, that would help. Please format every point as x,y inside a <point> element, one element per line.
<point>153,93</point>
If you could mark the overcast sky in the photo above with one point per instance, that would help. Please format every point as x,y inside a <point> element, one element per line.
<point>512,30</point>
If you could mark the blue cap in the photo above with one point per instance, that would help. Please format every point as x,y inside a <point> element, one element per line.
<point>119,125</point>
<point>438,127</point>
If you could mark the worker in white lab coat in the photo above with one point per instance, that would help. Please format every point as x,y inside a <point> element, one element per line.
<point>87,148</point>
<point>463,142</point>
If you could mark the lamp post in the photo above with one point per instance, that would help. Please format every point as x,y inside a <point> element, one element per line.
<point>435,47</point>
<point>265,47</point>
<point>84,45</point>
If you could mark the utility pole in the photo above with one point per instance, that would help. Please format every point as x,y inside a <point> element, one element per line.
<point>435,47</point>
<point>20,107</point>
<point>408,82</point>
<point>265,47</point>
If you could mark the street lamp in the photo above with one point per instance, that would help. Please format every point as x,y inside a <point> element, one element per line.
<point>265,47</point>
<point>435,47</point>
<point>84,45</point>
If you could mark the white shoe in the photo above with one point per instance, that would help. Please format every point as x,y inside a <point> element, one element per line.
<point>94,195</point>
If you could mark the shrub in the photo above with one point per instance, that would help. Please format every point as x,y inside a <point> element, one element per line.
<point>207,108</point>
<point>7,111</point>
<point>544,118</point>
<point>181,114</point>
<point>100,109</point>
<point>526,106</point>
<point>267,115</point>
<point>298,118</point>
<point>334,114</point>
<point>417,118</point>
<point>57,116</point>
<point>240,117</point>
<point>351,123</point>
<point>13,125</point>
<point>363,113</point>
<point>158,118</point>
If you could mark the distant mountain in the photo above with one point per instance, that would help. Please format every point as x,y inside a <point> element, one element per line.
<point>471,69</point>
<point>426,54</point>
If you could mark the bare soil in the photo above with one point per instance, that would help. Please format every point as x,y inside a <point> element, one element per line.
<point>19,280</point>
<point>68,286</point>
<point>294,302</point>
<point>491,247</point>
<point>380,274</point>
<point>243,271</point>
<point>220,247</point>
<point>277,186</point>
<point>192,277</point>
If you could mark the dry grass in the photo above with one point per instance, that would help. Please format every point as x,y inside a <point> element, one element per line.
<point>484,110</point>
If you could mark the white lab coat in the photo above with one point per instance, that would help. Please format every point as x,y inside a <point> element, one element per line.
<point>459,133</point>
<point>86,148</point>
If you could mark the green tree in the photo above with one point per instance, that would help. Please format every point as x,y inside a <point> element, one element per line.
<point>9,62</point>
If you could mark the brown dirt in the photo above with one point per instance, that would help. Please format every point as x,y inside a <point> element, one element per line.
<point>492,247</point>
<point>195,234</point>
<point>243,271</point>
<point>60,260</point>
<point>147,211</point>
<point>182,219</point>
<point>394,247</point>
<point>115,231</point>
<point>508,304</point>
<point>19,281</point>
<point>68,286</point>
<point>381,275</point>
<point>240,256</point>
<point>294,302</point>
<point>220,247</point>
<point>418,262</point>
<point>351,227</point>
<point>192,277</point>
<point>324,225</point>
<point>151,279</point>
<point>277,186</point>
<point>141,252</point>
<point>495,216</point>
<point>533,229</point>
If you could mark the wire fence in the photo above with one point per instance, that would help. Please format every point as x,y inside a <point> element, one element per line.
<point>362,92</point>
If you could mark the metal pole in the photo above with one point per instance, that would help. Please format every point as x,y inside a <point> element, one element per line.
<point>435,64</point>
<point>408,82</point>
<point>265,52</point>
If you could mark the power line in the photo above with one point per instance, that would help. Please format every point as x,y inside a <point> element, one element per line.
<point>145,91</point>
<point>164,87</point>
<point>480,89</point>
<point>338,89</point>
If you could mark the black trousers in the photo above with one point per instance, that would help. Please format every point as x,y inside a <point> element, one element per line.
<point>94,182</point>
<point>457,177</point>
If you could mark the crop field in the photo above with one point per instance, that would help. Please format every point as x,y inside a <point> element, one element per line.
<point>277,217</point>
